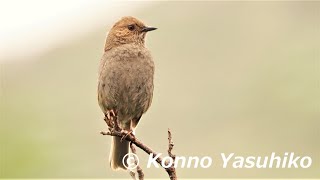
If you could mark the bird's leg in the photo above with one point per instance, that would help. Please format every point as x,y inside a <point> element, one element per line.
<point>108,121</point>
<point>116,124</point>
<point>110,114</point>
<point>126,133</point>
<point>111,120</point>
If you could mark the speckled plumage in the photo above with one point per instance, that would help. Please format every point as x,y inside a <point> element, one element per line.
<point>125,80</point>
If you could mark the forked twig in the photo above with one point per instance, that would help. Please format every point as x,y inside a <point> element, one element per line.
<point>115,130</point>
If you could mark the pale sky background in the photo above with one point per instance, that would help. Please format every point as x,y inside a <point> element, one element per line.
<point>32,27</point>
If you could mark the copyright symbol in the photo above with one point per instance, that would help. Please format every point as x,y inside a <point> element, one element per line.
<point>130,161</point>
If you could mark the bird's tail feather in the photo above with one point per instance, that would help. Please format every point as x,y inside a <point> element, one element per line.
<point>118,150</point>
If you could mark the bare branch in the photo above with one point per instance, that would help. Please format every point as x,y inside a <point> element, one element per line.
<point>115,130</point>
<point>172,171</point>
<point>139,170</point>
<point>130,137</point>
<point>132,174</point>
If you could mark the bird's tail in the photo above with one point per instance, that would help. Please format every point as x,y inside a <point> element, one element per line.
<point>118,150</point>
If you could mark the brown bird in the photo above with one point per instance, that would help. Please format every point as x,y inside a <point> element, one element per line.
<point>125,80</point>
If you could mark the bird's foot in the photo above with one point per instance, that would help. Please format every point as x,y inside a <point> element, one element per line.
<point>126,133</point>
<point>110,114</point>
<point>111,120</point>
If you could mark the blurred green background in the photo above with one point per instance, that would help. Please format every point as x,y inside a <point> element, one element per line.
<point>238,77</point>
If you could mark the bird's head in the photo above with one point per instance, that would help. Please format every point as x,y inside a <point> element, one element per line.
<point>127,30</point>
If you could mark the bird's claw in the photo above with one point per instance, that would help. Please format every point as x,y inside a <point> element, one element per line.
<point>110,114</point>
<point>113,124</point>
<point>126,133</point>
<point>110,118</point>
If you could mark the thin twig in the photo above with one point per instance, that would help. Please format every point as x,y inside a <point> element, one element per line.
<point>115,130</point>
<point>171,144</point>
<point>132,174</point>
<point>171,170</point>
<point>139,170</point>
<point>130,137</point>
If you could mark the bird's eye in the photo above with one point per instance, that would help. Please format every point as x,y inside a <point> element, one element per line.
<point>131,27</point>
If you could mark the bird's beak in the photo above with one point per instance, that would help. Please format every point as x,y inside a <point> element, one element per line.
<point>146,29</point>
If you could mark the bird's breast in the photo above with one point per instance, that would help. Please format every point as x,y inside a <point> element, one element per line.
<point>126,80</point>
